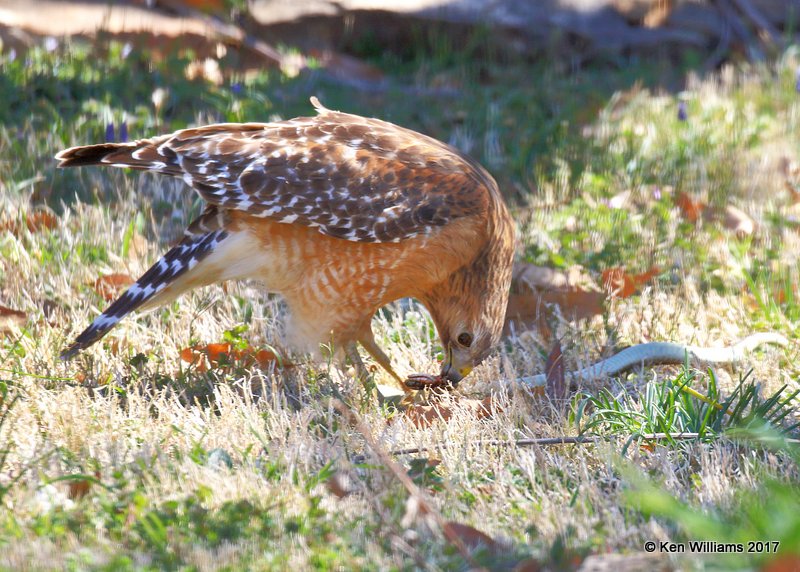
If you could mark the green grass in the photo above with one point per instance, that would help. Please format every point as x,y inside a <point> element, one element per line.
<point>178,468</point>
<point>675,406</point>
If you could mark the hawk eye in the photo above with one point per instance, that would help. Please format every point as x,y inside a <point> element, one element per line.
<point>465,339</point>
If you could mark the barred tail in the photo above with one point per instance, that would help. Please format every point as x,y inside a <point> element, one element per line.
<point>147,154</point>
<point>164,281</point>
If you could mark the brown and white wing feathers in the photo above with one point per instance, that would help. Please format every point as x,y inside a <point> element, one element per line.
<point>354,178</point>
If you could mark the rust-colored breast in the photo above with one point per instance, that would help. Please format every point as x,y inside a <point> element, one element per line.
<point>321,274</point>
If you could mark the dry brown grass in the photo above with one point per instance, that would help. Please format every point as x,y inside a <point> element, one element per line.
<point>146,426</point>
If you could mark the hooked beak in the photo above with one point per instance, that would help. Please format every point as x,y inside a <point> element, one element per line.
<point>454,372</point>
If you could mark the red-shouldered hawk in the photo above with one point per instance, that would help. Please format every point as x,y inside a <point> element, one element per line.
<point>340,214</point>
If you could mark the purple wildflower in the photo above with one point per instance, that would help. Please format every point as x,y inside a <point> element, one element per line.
<point>127,48</point>
<point>110,132</point>
<point>682,113</point>
<point>797,80</point>
<point>236,88</point>
<point>657,193</point>
<point>123,131</point>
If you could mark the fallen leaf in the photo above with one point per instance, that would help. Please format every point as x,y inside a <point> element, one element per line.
<point>531,278</point>
<point>34,222</point>
<point>739,222</point>
<point>619,283</point>
<point>470,536</point>
<point>535,289</point>
<point>531,310</point>
<point>78,488</point>
<point>576,304</point>
<point>194,357</point>
<point>692,209</point>
<point>41,220</point>
<point>556,386</point>
<point>218,352</point>
<point>784,563</point>
<point>336,485</point>
<point>11,319</point>
<point>347,68</point>
<point>528,565</point>
<point>791,177</point>
<point>224,355</point>
<point>109,286</point>
<point>781,296</point>
<point>206,5</point>
<point>645,277</point>
<point>422,416</point>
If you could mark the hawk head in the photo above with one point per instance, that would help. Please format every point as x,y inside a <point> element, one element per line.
<point>469,307</point>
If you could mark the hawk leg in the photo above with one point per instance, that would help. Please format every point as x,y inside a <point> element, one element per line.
<point>373,349</point>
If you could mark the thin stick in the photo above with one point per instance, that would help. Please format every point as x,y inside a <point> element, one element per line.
<point>422,501</point>
<point>561,441</point>
<point>564,440</point>
<point>740,29</point>
<point>755,16</point>
<point>230,32</point>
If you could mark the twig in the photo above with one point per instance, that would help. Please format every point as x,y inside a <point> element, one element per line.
<point>755,16</point>
<point>552,441</point>
<point>740,29</point>
<point>230,32</point>
<point>722,49</point>
<point>422,501</point>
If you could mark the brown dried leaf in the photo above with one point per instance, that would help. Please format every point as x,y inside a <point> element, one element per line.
<point>738,221</point>
<point>347,68</point>
<point>645,277</point>
<point>36,221</point>
<point>78,488</point>
<point>109,286</point>
<point>619,283</point>
<point>224,355</point>
<point>470,536</point>
<point>206,5</point>
<point>531,278</point>
<point>423,416</point>
<point>576,304</point>
<point>691,208</point>
<point>10,319</point>
<point>531,311</point>
<point>785,563</point>
<point>528,565</point>
<point>537,287</point>
<point>336,485</point>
